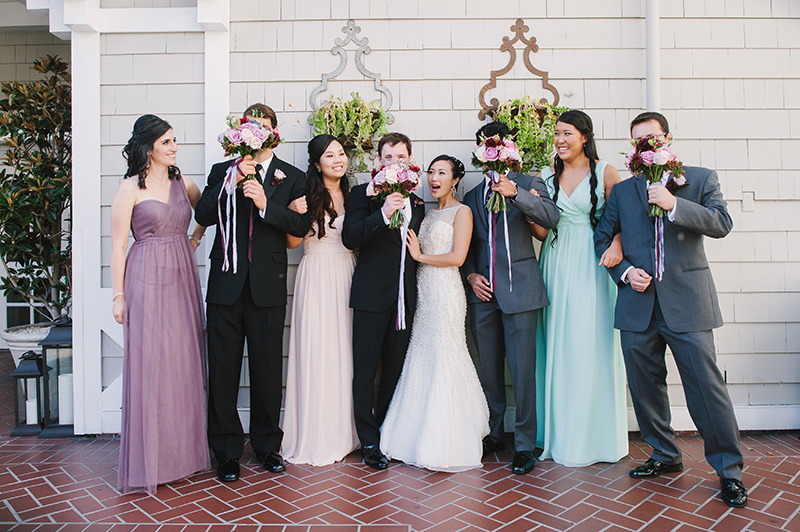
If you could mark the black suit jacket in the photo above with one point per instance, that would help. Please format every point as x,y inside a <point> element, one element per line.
<point>268,267</point>
<point>377,274</point>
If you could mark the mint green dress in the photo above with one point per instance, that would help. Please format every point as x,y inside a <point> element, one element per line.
<point>582,412</point>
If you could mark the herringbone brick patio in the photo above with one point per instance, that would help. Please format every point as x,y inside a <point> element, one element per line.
<point>68,485</point>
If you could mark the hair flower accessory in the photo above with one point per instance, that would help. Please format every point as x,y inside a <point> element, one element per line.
<point>278,177</point>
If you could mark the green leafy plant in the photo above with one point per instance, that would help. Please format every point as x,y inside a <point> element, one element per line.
<point>355,122</point>
<point>36,188</point>
<point>535,124</point>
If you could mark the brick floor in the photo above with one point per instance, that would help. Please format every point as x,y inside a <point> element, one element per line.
<point>68,485</point>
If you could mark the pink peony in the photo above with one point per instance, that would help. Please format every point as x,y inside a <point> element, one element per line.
<point>648,157</point>
<point>480,153</point>
<point>255,142</point>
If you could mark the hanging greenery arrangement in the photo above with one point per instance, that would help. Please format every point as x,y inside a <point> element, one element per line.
<point>36,188</point>
<point>356,123</point>
<point>534,123</point>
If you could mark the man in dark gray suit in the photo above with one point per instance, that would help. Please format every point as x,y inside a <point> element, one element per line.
<point>680,311</point>
<point>503,320</point>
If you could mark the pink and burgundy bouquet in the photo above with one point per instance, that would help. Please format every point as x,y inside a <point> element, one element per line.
<point>247,136</point>
<point>651,156</point>
<point>401,177</point>
<point>495,156</point>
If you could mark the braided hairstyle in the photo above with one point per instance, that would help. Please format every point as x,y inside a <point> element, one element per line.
<point>146,131</point>
<point>320,201</point>
<point>583,123</point>
<point>456,166</point>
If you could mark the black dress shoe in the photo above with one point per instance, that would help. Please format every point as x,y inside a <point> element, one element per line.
<point>653,468</point>
<point>733,492</point>
<point>374,458</point>
<point>228,471</point>
<point>524,461</point>
<point>273,463</point>
<point>491,445</point>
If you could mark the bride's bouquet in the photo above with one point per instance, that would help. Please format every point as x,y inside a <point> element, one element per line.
<point>403,177</point>
<point>495,156</point>
<point>651,156</point>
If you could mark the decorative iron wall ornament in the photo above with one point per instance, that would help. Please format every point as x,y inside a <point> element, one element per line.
<point>351,31</point>
<point>519,30</point>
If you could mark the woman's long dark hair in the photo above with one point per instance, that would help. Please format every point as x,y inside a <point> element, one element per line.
<point>146,131</point>
<point>583,123</point>
<point>320,202</point>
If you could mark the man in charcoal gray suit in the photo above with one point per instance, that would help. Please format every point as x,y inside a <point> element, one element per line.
<point>680,310</point>
<point>503,320</point>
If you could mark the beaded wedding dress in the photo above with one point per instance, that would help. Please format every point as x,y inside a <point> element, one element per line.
<point>438,415</point>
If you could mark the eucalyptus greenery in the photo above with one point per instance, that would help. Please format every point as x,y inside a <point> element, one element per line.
<point>36,188</point>
<point>355,122</point>
<point>534,123</point>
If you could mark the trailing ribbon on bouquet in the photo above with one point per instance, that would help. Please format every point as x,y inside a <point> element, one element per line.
<point>228,223</point>
<point>659,248</point>
<point>494,177</point>
<point>400,323</point>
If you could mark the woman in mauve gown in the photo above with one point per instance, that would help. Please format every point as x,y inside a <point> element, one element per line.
<point>318,423</point>
<point>157,300</point>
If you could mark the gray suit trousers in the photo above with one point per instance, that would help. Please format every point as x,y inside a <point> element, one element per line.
<point>502,337</point>
<point>706,395</point>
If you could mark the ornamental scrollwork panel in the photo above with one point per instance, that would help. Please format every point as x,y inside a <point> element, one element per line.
<point>519,29</point>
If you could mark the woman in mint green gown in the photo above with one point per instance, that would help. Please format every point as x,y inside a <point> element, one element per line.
<point>582,412</point>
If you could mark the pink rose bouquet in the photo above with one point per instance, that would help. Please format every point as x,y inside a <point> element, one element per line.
<point>247,136</point>
<point>400,177</point>
<point>495,156</point>
<point>652,157</point>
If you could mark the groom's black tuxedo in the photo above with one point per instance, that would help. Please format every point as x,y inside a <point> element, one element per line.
<point>373,298</point>
<point>251,304</point>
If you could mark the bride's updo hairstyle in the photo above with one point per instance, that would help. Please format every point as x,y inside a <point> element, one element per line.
<point>319,198</point>
<point>146,131</point>
<point>456,166</point>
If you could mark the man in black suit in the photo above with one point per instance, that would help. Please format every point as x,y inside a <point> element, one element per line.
<point>678,311</point>
<point>247,300</point>
<point>373,297</point>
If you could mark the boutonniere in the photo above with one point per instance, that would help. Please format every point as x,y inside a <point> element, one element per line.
<point>278,177</point>
<point>675,183</point>
<point>416,201</point>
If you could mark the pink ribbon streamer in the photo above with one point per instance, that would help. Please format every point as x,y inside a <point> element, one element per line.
<point>228,223</point>
<point>495,177</point>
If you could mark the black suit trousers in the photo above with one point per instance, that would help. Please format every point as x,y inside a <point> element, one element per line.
<point>228,327</point>
<point>375,340</point>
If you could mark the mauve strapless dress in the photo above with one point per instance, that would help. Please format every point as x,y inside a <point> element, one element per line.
<point>163,386</point>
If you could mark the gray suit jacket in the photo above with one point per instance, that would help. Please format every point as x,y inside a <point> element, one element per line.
<point>529,292</point>
<point>686,294</point>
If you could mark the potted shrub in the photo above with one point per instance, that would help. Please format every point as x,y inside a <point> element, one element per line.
<point>35,191</point>
<point>356,123</point>
<point>534,123</point>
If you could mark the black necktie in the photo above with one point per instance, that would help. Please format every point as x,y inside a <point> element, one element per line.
<point>258,172</point>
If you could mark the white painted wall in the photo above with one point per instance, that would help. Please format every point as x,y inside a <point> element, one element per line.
<point>730,79</point>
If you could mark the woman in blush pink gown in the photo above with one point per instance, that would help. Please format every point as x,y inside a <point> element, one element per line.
<point>318,423</point>
<point>157,300</point>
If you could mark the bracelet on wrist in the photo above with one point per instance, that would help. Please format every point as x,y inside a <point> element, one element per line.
<point>195,239</point>
<point>117,295</point>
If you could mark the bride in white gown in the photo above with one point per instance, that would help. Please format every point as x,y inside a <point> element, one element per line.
<point>438,416</point>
